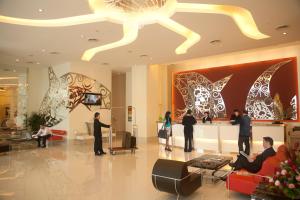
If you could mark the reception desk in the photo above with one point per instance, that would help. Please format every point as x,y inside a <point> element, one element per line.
<point>223,137</point>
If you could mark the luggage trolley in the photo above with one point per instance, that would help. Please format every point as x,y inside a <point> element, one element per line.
<point>128,143</point>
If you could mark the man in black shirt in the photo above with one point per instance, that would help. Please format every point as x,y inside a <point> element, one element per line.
<point>206,118</point>
<point>188,121</point>
<point>254,165</point>
<point>98,135</point>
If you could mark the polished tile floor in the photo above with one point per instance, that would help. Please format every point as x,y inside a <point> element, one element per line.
<point>70,171</point>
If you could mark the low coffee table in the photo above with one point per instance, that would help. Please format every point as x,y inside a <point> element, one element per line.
<point>211,162</point>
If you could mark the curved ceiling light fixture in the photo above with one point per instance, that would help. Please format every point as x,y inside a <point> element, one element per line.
<point>133,14</point>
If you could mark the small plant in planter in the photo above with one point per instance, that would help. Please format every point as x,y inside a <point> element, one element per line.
<point>35,120</point>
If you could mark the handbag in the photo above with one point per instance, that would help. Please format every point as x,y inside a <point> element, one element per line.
<point>162,133</point>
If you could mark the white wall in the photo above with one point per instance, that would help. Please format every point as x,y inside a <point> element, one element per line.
<point>139,98</point>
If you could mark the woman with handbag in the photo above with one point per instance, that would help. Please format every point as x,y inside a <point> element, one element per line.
<point>168,127</point>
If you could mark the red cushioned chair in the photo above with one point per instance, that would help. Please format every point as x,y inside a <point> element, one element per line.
<point>244,182</point>
<point>58,135</point>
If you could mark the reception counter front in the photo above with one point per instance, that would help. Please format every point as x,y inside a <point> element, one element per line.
<point>223,137</point>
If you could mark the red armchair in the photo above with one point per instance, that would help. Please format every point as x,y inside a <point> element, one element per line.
<point>246,183</point>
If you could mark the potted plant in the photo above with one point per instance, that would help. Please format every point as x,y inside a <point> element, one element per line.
<point>35,120</point>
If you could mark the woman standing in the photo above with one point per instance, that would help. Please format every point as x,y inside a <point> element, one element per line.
<point>98,135</point>
<point>168,127</point>
<point>188,121</point>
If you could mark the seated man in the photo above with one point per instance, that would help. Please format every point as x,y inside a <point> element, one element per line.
<point>42,136</point>
<point>254,165</point>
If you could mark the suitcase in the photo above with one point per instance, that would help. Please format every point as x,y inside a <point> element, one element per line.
<point>126,140</point>
<point>133,142</point>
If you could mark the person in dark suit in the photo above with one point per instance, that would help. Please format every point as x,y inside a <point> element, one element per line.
<point>244,132</point>
<point>254,165</point>
<point>206,118</point>
<point>188,121</point>
<point>98,149</point>
<point>235,118</point>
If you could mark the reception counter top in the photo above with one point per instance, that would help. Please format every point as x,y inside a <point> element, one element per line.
<point>223,137</point>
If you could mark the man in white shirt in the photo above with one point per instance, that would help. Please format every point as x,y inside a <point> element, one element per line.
<point>42,135</point>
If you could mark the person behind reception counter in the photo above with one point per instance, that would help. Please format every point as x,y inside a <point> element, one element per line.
<point>188,121</point>
<point>244,132</point>
<point>235,118</point>
<point>206,118</point>
<point>168,127</point>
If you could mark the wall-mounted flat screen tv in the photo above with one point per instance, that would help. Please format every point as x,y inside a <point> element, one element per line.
<point>92,99</point>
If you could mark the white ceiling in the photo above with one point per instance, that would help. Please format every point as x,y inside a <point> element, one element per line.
<point>26,43</point>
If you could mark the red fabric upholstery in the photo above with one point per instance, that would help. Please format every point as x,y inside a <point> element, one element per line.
<point>58,132</point>
<point>247,184</point>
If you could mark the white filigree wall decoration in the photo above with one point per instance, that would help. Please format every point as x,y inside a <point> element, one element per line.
<point>259,103</point>
<point>67,92</point>
<point>200,94</point>
<point>294,108</point>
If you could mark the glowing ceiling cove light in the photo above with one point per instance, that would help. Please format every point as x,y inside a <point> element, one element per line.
<point>134,14</point>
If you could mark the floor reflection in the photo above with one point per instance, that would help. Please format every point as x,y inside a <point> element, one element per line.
<point>71,171</point>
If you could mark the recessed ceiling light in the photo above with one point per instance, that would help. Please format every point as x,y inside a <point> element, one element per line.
<point>54,52</point>
<point>284,33</point>
<point>93,40</point>
<point>38,63</point>
<point>82,36</point>
<point>14,70</point>
<point>17,60</point>
<point>43,50</point>
<point>41,10</point>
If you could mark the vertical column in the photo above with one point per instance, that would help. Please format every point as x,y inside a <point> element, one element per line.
<point>22,100</point>
<point>139,99</point>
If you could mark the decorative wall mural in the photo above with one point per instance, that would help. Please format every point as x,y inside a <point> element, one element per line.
<point>294,108</point>
<point>200,94</point>
<point>259,87</point>
<point>67,92</point>
<point>259,102</point>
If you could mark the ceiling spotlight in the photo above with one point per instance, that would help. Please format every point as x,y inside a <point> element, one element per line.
<point>38,63</point>
<point>82,36</point>
<point>17,60</point>
<point>284,33</point>
<point>40,10</point>
<point>93,40</point>
<point>282,27</point>
<point>215,42</point>
<point>54,53</point>
<point>144,56</point>
<point>43,50</point>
